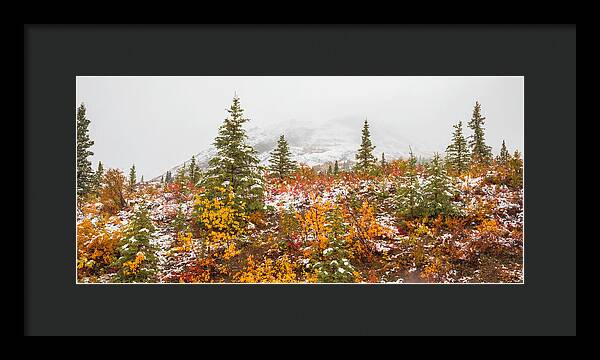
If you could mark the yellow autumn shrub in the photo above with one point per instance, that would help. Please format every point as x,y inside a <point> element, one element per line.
<point>313,224</point>
<point>281,270</point>
<point>221,221</point>
<point>96,245</point>
<point>432,271</point>
<point>131,267</point>
<point>231,251</point>
<point>184,242</point>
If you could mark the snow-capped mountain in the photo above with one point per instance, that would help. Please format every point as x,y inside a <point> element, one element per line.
<point>319,144</point>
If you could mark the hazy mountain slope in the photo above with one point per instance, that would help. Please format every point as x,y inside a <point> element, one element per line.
<point>319,144</point>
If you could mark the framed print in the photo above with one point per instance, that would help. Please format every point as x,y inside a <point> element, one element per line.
<point>299,180</point>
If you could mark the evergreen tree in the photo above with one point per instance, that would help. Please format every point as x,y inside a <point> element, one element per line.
<point>98,177</point>
<point>480,152</point>
<point>516,170</point>
<point>410,199</point>
<point>332,265</point>
<point>194,171</point>
<point>329,169</point>
<point>236,163</point>
<point>142,179</point>
<point>336,168</point>
<point>180,221</point>
<point>181,177</point>
<point>162,179</point>
<point>137,259</point>
<point>85,174</point>
<point>383,163</point>
<point>364,157</point>
<point>168,177</point>
<point>504,156</point>
<point>280,162</point>
<point>132,178</point>
<point>457,153</point>
<point>438,190</point>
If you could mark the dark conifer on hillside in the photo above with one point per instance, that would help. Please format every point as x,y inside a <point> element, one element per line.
<point>438,190</point>
<point>98,177</point>
<point>364,157</point>
<point>194,171</point>
<point>480,152</point>
<point>457,153</point>
<point>280,161</point>
<point>410,199</point>
<point>85,175</point>
<point>132,178</point>
<point>236,164</point>
<point>504,156</point>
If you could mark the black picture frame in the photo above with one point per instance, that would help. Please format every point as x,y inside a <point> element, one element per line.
<point>544,305</point>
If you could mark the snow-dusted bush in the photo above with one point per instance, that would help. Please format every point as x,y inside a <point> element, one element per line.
<point>137,260</point>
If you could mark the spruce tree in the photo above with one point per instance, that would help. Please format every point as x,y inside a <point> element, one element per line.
<point>504,156</point>
<point>438,190</point>
<point>168,177</point>
<point>336,168</point>
<point>137,260</point>
<point>142,179</point>
<point>85,174</point>
<point>383,163</point>
<point>180,221</point>
<point>329,169</point>
<point>132,177</point>
<point>194,171</point>
<point>480,152</point>
<point>236,164</point>
<point>364,157</point>
<point>181,177</point>
<point>457,153</point>
<point>332,265</point>
<point>516,170</point>
<point>410,198</point>
<point>280,161</point>
<point>98,177</point>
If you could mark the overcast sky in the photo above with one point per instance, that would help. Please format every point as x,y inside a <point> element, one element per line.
<point>159,122</point>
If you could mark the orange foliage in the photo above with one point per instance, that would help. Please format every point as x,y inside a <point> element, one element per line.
<point>96,246</point>
<point>481,210</point>
<point>112,192</point>
<point>257,218</point>
<point>365,225</point>
<point>485,240</point>
<point>199,272</point>
<point>364,229</point>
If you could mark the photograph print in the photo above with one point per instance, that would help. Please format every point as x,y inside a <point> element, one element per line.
<point>299,180</point>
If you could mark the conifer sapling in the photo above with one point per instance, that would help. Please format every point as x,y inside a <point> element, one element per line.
<point>280,161</point>
<point>364,157</point>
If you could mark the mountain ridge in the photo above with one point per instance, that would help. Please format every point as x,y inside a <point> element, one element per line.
<point>315,145</point>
